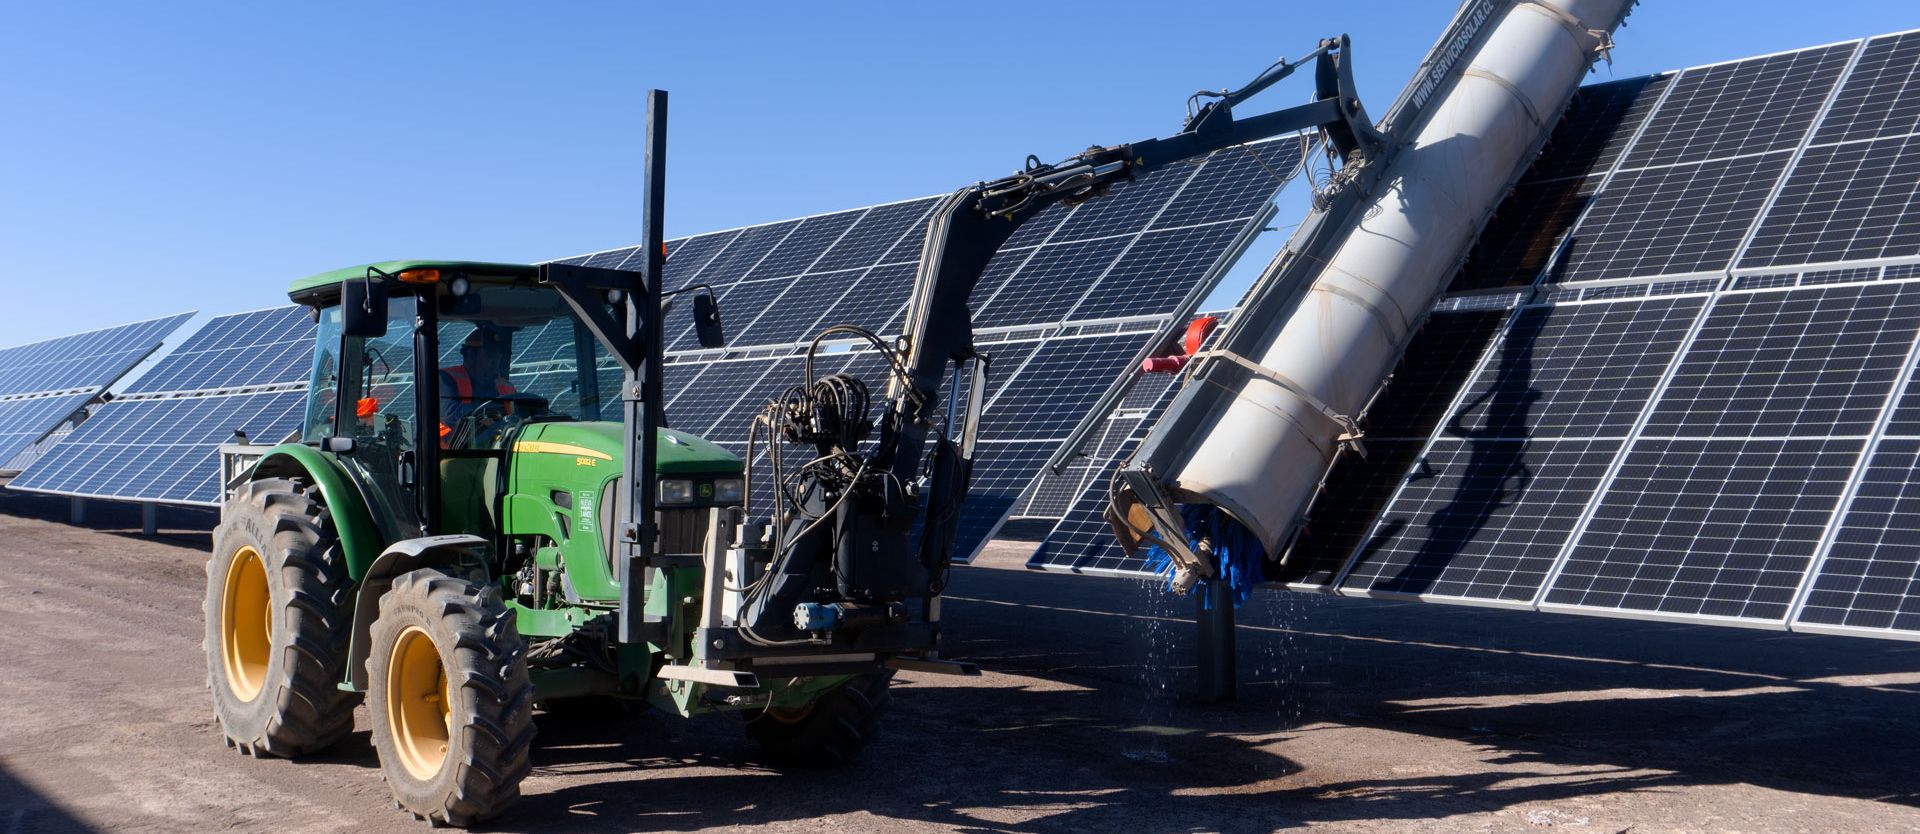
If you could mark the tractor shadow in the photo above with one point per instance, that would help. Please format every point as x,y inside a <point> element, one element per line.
<point>24,809</point>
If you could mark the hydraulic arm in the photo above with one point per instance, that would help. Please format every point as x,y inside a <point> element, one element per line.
<point>869,526</point>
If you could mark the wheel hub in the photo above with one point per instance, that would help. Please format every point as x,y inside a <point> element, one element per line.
<point>419,709</point>
<point>246,624</point>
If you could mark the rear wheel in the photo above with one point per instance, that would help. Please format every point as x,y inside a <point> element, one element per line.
<point>451,702</point>
<point>276,622</point>
<point>829,732</point>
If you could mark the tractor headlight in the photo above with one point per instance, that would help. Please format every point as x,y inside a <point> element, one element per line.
<point>728,491</point>
<point>676,491</point>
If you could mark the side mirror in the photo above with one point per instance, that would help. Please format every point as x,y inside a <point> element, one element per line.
<point>363,308</point>
<point>706,321</point>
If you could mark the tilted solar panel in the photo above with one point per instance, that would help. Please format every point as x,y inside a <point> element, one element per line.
<point>25,420</point>
<point>1698,408</point>
<point>1080,542</point>
<point>160,449</point>
<point>262,347</point>
<point>84,360</point>
<point>158,440</point>
<point>44,384</point>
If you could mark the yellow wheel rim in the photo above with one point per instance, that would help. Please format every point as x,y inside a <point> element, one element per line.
<point>246,624</point>
<point>419,712</point>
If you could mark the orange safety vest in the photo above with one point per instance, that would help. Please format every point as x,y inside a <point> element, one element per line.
<point>463,384</point>
<point>463,389</point>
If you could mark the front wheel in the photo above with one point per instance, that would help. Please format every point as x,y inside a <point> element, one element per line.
<point>451,702</point>
<point>829,732</point>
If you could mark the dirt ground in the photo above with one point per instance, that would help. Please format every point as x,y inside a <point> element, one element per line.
<point>1353,716</point>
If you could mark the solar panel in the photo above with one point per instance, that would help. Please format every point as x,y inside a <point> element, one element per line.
<point>1751,106</point>
<point>262,347</point>
<point>1516,459</point>
<point>1702,408</point>
<point>44,384</point>
<point>1081,542</point>
<point>1054,494</point>
<point>1881,96</point>
<point>161,449</point>
<point>1805,362</point>
<point>25,420</point>
<point>158,440</point>
<point>1870,578</point>
<point>1718,528</point>
<point>1671,220</point>
<point>1052,390</point>
<point>92,359</point>
<point>1480,519</point>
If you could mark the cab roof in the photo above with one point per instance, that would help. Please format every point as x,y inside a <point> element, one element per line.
<point>311,285</point>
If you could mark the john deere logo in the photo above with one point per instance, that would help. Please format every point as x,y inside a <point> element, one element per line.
<point>706,490</point>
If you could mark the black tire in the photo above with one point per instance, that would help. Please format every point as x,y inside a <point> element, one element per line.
<point>489,714</point>
<point>831,731</point>
<point>278,694</point>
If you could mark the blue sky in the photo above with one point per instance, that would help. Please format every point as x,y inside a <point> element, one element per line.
<point>155,159</point>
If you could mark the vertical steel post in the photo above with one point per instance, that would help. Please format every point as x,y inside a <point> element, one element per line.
<point>641,395</point>
<point>149,518</point>
<point>77,510</point>
<point>1217,673</point>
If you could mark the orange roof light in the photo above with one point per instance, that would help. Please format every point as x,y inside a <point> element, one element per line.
<point>419,276</point>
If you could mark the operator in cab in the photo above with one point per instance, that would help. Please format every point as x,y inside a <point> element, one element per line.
<point>477,387</point>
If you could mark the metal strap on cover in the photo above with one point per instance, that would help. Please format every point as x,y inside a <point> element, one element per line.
<point>1600,41</point>
<point>1348,428</point>
<point>1396,326</point>
<point>1525,103</point>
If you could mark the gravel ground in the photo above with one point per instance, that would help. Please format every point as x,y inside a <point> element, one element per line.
<point>1353,716</point>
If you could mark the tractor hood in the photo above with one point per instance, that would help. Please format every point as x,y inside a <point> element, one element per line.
<point>679,452</point>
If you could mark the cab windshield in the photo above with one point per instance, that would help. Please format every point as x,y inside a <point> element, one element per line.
<point>508,353</point>
<point>513,352</point>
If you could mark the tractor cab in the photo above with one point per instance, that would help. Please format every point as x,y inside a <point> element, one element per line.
<point>466,398</point>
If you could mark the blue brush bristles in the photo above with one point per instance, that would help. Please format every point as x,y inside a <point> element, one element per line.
<point>1237,553</point>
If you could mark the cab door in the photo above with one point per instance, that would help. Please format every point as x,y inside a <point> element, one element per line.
<point>377,408</point>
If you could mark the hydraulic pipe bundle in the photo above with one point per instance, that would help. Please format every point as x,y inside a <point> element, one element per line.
<point>1242,451</point>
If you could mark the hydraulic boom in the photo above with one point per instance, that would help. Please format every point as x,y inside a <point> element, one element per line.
<point>875,522</point>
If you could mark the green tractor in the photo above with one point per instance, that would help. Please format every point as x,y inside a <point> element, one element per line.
<point>459,569</point>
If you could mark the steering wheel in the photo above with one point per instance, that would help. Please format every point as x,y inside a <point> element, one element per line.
<point>490,416</point>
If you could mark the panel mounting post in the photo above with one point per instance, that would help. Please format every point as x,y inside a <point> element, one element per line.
<point>149,518</point>
<point>77,510</point>
<point>1217,674</point>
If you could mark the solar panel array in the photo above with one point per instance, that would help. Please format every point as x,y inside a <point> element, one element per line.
<point>158,441</point>
<point>44,384</point>
<point>1673,380</point>
<point>1064,307</point>
<point>1081,542</point>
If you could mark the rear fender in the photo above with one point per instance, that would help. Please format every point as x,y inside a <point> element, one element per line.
<point>460,553</point>
<point>359,538</point>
